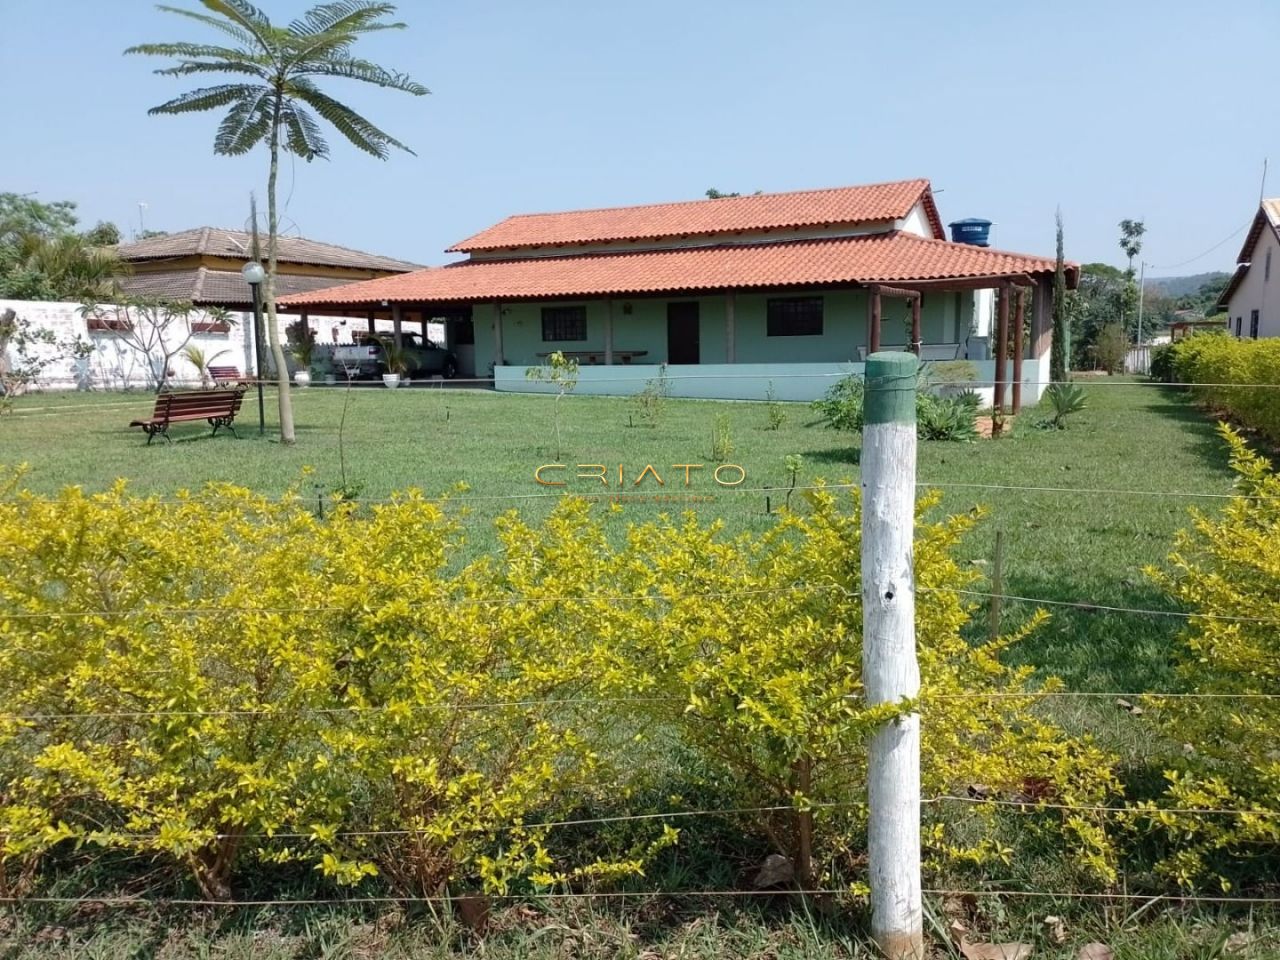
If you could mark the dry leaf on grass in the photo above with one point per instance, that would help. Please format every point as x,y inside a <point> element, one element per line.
<point>995,951</point>
<point>473,911</point>
<point>1096,951</point>
<point>775,870</point>
<point>960,905</point>
<point>1057,929</point>
<point>1237,942</point>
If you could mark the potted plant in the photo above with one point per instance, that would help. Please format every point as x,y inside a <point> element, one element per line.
<point>322,364</point>
<point>397,360</point>
<point>303,350</point>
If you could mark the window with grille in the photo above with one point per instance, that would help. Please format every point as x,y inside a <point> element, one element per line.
<point>564,323</point>
<point>794,317</point>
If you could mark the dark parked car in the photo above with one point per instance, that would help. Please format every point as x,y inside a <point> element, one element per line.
<point>368,358</point>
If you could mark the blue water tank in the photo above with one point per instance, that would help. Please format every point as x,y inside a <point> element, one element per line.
<point>972,230</point>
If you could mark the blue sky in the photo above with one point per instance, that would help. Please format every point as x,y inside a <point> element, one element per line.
<point>1163,110</point>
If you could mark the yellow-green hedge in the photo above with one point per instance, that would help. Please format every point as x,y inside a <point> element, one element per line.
<point>222,680</point>
<point>1234,377</point>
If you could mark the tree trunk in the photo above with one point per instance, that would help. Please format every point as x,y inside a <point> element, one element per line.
<point>273,330</point>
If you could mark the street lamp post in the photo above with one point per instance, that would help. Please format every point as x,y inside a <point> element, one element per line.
<point>254,275</point>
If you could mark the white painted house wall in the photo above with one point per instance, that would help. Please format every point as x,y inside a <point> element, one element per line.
<point>117,364</point>
<point>917,222</point>
<point>1259,290</point>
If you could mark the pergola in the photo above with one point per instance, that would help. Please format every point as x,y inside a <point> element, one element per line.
<point>1014,287</point>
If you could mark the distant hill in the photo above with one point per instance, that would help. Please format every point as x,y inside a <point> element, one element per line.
<point>1175,287</point>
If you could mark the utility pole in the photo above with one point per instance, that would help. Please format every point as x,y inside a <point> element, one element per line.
<point>1142,294</point>
<point>890,671</point>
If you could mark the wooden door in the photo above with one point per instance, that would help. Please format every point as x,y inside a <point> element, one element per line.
<point>682,332</point>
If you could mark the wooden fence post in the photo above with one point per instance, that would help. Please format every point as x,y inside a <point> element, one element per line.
<point>890,672</point>
<point>995,611</point>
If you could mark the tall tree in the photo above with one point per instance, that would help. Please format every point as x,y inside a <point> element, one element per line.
<point>22,215</point>
<point>103,234</point>
<point>1060,348</point>
<point>1131,232</point>
<point>42,257</point>
<point>275,100</point>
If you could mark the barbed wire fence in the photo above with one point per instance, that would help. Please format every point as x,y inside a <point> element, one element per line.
<point>884,898</point>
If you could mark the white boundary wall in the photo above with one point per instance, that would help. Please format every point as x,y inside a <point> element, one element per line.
<point>116,364</point>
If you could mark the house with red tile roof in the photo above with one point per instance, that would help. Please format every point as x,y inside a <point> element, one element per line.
<point>727,296</point>
<point>1252,298</point>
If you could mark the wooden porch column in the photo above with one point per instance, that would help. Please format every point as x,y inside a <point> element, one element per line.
<point>397,322</point>
<point>1018,350</point>
<point>873,321</point>
<point>1002,351</point>
<point>608,333</point>
<point>498,360</point>
<point>1042,318</point>
<point>372,324</point>
<point>915,324</point>
<point>730,348</point>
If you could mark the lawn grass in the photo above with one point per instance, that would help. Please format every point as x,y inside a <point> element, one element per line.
<point>1080,547</point>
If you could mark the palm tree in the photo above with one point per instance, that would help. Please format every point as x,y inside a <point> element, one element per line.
<point>65,267</point>
<point>275,100</point>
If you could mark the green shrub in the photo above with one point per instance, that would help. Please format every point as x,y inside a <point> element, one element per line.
<point>1226,569</point>
<point>947,418</point>
<point>961,373</point>
<point>1066,399</point>
<point>767,689</point>
<point>776,414</point>
<point>1112,348</point>
<point>650,402</point>
<point>841,406</point>
<point>230,681</point>
<point>721,438</point>
<point>1234,377</point>
<point>322,678</point>
<point>1161,367</point>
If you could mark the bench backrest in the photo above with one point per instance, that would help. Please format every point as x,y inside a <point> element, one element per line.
<point>224,373</point>
<point>198,404</point>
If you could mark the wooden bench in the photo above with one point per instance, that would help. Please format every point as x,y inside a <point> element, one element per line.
<point>226,376</point>
<point>218,407</point>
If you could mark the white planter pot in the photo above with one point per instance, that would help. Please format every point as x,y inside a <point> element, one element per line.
<point>330,379</point>
<point>302,378</point>
<point>392,380</point>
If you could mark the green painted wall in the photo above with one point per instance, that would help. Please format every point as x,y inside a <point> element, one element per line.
<point>645,328</point>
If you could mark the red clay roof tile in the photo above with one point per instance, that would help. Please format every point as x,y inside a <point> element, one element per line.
<point>771,211</point>
<point>875,258</point>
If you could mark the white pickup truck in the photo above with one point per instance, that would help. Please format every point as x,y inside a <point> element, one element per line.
<point>367,358</point>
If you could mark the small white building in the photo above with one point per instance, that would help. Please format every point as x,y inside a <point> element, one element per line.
<point>1252,298</point>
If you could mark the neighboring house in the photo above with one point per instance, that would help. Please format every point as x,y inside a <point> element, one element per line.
<point>203,266</point>
<point>1252,298</point>
<point>731,294</point>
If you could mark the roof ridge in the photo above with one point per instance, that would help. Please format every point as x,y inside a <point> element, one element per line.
<point>999,250</point>
<point>747,196</point>
<point>208,238</point>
